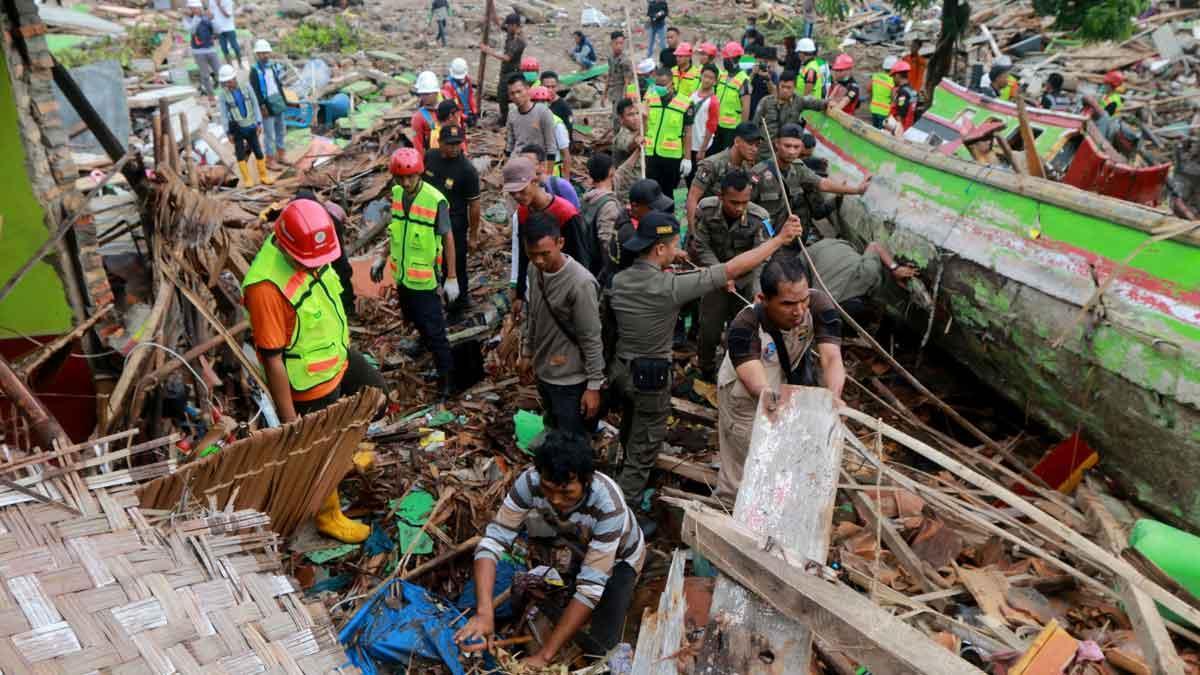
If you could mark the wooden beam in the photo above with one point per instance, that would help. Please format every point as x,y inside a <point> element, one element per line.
<point>657,655</point>
<point>1151,632</point>
<point>787,494</point>
<point>1083,546</point>
<point>841,615</point>
<point>686,469</point>
<point>695,412</point>
<point>909,561</point>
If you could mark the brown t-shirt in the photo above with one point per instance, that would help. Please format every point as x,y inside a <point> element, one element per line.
<point>273,319</point>
<point>744,341</point>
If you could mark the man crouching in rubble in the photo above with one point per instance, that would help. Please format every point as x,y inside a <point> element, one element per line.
<point>587,512</point>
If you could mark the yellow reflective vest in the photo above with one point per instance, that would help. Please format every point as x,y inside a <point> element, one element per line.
<point>685,82</point>
<point>416,247</point>
<point>729,97</point>
<point>882,85</point>
<point>664,126</point>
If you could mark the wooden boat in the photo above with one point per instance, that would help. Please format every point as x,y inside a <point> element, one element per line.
<point>1069,146</point>
<point>1019,259</point>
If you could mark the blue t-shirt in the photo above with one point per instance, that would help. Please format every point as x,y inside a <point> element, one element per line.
<point>561,187</point>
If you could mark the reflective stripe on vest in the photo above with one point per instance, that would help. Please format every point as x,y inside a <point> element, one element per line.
<point>321,337</point>
<point>729,97</point>
<point>815,66</point>
<point>664,126</point>
<point>1112,97</point>
<point>882,85</point>
<point>685,83</point>
<point>1009,92</point>
<point>243,121</point>
<point>416,247</point>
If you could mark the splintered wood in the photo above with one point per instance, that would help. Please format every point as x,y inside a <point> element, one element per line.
<point>112,592</point>
<point>284,472</point>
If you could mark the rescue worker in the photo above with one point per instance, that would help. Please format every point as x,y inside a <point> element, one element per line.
<point>266,79</point>
<point>904,99</point>
<point>448,170</point>
<point>814,73</point>
<point>645,300</point>
<point>448,115</point>
<point>242,117</point>
<point>882,86</point>
<point>708,54</point>
<point>733,96</point>
<point>916,76</point>
<point>561,346</point>
<point>510,60</point>
<point>668,133</point>
<point>562,137</point>
<point>726,225</point>
<point>582,511</point>
<point>711,171</point>
<point>419,234</point>
<point>458,88</point>
<point>1053,97</point>
<point>293,297</point>
<point>198,22</point>
<point>645,80</point>
<point>685,76</point>
<point>797,179</point>
<point>425,118</point>
<point>782,108</point>
<point>1114,83</point>
<point>1004,85</point>
<point>773,342</point>
<point>853,277</point>
<point>845,87</point>
<point>530,69</point>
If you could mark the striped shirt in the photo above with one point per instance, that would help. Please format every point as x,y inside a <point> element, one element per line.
<point>601,522</point>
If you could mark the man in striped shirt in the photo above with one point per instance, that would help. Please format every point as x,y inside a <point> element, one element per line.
<point>585,507</point>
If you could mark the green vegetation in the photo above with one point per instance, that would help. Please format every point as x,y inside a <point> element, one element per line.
<point>310,38</point>
<point>1093,20</point>
<point>139,42</point>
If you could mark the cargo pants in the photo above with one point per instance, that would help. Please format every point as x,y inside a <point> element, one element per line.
<point>716,310</point>
<point>643,427</point>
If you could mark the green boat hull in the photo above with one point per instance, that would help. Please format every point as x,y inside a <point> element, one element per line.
<point>1019,258</point>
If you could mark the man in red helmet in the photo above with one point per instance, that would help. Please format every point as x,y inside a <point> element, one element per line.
<point>733,96</point>
<point>419,233</point>
<point>904,101</point>
<point>293,296</point>
<point>845,88</point>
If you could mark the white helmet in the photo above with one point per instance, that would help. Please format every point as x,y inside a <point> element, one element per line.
<point>645,66</point>
<point>888,63</point>
<point>458,68</point>
<point>226,74</point>
<point>195,3</point>
<point>262,47</point>
<point>427,83</point>
<point>806,46</point>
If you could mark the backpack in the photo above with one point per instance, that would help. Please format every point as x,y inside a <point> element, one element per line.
<point>608,262</point>
<point>203,35</point>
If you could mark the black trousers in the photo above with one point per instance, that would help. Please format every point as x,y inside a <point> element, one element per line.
<point>460,228</point>
<point>359,374</point>
<point>665,172</point>
<point>608,618</point>
<point>501,95</point>
<point>560,407</point>
<point>721,140</point>
<point>245,141</point>
<point>424,310</point>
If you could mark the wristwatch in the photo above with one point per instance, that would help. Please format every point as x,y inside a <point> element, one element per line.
<point>893,266</point>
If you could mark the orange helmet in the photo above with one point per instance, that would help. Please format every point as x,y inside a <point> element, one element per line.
<point>406,162</point>
<point>305,231</point>
<point>708,48</point>
<point>1114,78</point>
<point>732,50</point>
<point>540,93</point>
<point>684,49</point>
<point>530,64</point>
<point>843,62</point>
<point>901,67</point>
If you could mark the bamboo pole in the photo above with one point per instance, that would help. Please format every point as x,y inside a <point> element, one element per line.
<point>189,161</point>
<point>488,14</point>
<point>637,90</point>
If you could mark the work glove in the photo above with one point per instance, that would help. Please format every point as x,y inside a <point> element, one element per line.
<point>685,167</point>
<point>377,270</point>
<point>451,289</point>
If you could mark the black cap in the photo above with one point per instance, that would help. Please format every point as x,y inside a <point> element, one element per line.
<point>451,133</point>
<point>819,165</point>
<point>512,20</point>
<point>747,131</point>
<point>791,130</point>
<point>652,227</point>
<point>647,191</point>
<point>447,108</point>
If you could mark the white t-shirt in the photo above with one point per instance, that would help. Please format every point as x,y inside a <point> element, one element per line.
<point>561,138</point>
<point>707,111</point>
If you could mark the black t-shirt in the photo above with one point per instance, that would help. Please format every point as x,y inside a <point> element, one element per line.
<point>667,57</point>
<point>561,108</point>
<point>455,178</point>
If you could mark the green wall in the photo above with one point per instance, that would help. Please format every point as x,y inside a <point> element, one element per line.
<point>38,304</point>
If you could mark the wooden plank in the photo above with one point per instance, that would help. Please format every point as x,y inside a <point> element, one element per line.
<point>787,494</point>
<point>657,657</point>
<point>842,616</point>
<point>686,469</point>
<point>693,411</point>
<point>909,561</point>
<point>1148,625</point>
<point>1081,545</point>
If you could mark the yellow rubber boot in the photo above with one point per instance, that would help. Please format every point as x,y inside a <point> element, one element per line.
<point>262,173</point>
<point>331,522</point>
<point>247,178</point>
<point>364,460</point>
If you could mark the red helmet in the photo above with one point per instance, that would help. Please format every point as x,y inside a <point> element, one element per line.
<point>540,93</point>
<point>901,67</point>
<point>530,64</point>
<point>1114,78</point>
<point>684,49</point>
<point>305,230</point>
<point>708,48</point>
<point>732,50</point>
<point>406,162</point>
<point>843,62</point>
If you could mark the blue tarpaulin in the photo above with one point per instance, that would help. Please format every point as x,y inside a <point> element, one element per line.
<point>422,625</point>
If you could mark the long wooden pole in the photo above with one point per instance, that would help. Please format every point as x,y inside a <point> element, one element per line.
<point>488,13</point>
<point>44,425</point>
<point>637,90</point>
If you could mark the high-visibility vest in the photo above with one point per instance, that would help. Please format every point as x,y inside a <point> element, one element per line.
<point>814,66</point>
<point>1009,92</point>
<point>882,85</point>
<point>320,341</point>
<point>243,121</point>
<point>664,126</point>
<point>729,97</point>
<point>416,247</point>
<point>1112,97</point>
<point>685,82</point>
